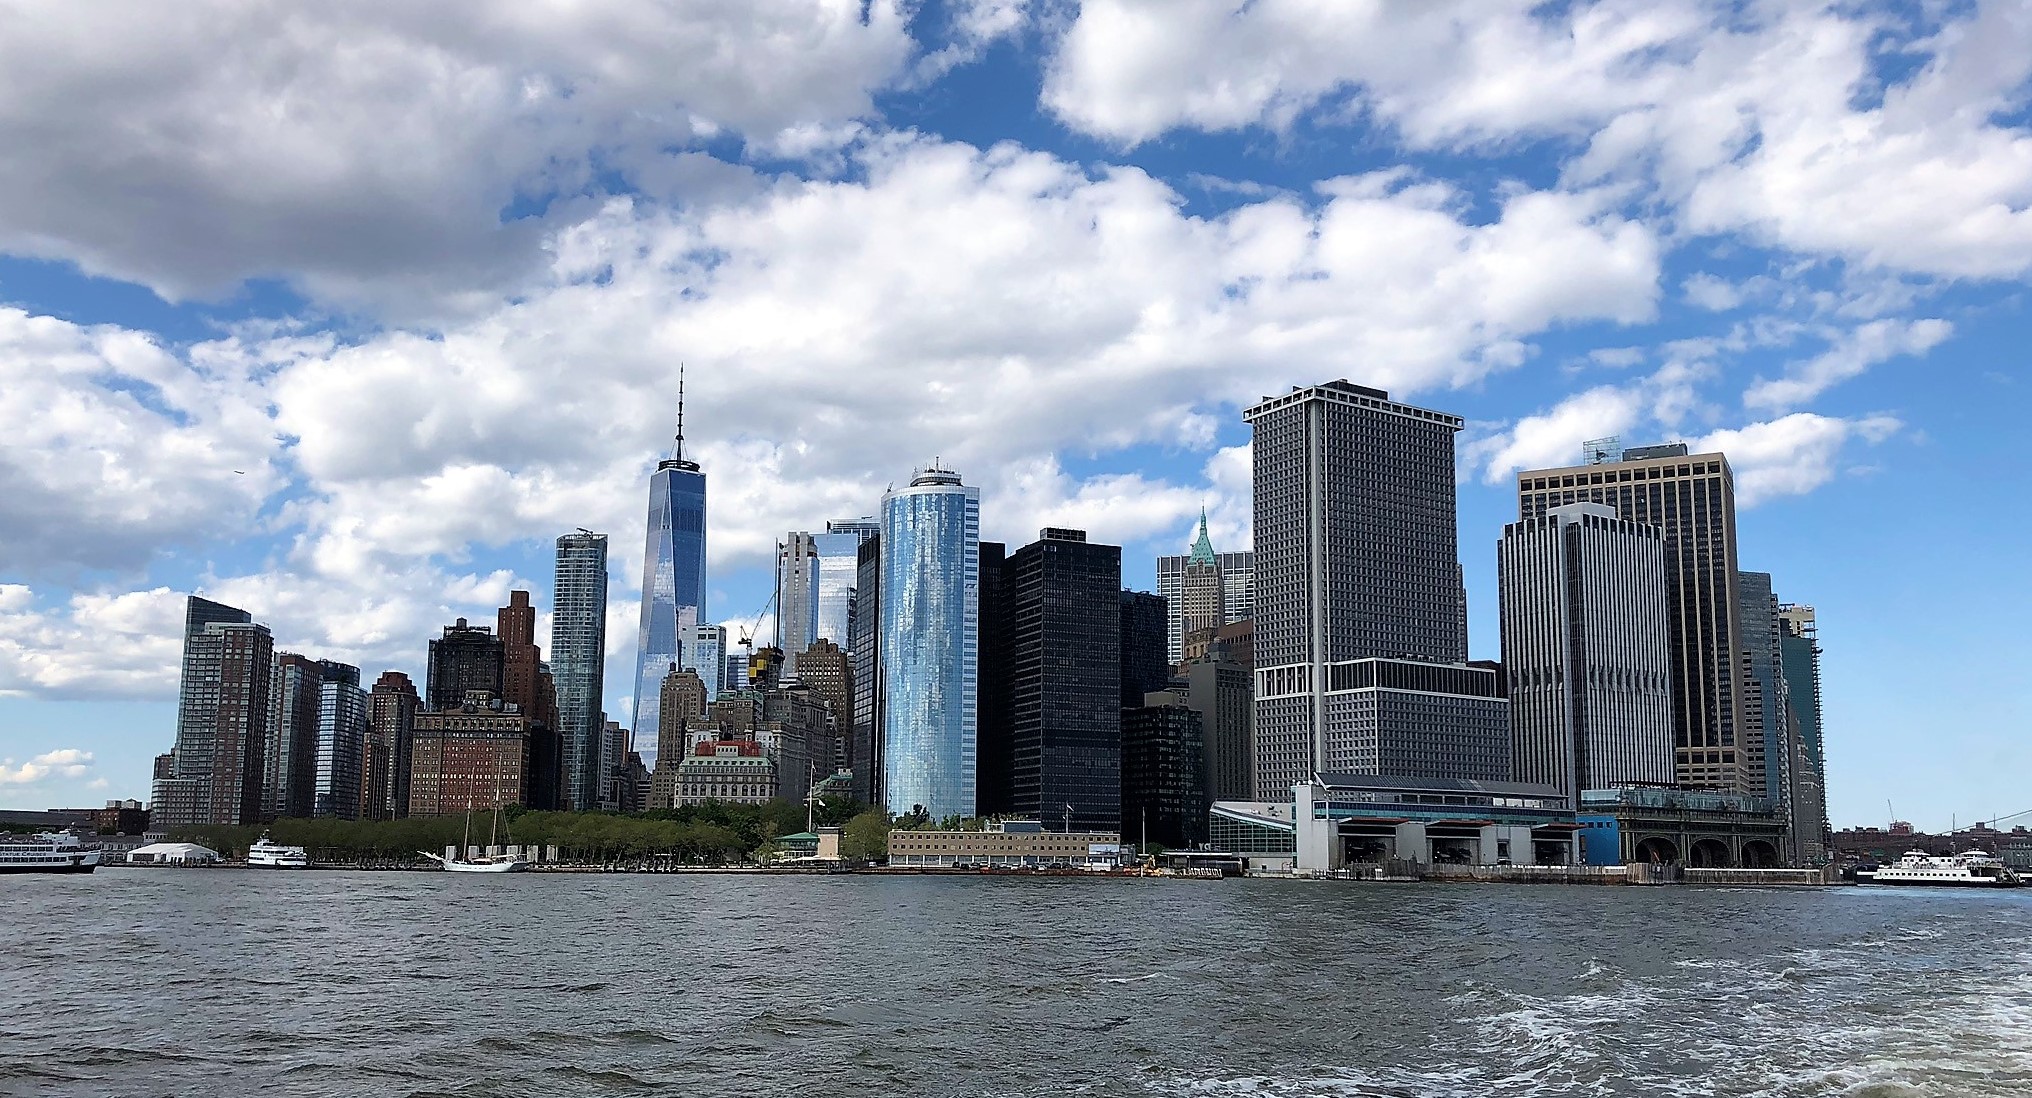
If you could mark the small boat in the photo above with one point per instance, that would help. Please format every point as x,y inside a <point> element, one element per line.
<point>269,854</point>
<point>1964,869</point>
<point>485,863</point>
<point>47,852</point>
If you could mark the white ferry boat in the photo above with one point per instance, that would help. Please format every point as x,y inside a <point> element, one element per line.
<point>1966,869</point>
<point>49,852</point>
<point>269,854</point>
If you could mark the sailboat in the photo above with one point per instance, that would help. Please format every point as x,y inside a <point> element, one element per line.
<point>485,863</point>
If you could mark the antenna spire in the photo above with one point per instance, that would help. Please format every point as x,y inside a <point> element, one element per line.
<point>679,455</point>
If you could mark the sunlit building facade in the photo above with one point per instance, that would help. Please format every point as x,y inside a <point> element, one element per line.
<point>929,634</point>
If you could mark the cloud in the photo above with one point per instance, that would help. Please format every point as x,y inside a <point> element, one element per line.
<point>117,447</point>
<point>386,154</point>
<point>1850,354</point>
<point>1711,293</point>
<point>1892,139</point>
<point>1792,455</point>
<point>68,762</point>
<point>1552,439</point>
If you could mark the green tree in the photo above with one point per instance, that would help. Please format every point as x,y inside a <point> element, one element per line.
<point>865,838</point>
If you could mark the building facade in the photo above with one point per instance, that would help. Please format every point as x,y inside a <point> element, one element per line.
<point>1766,709</point>
<point>929,635</point>
<point>1357,596</point>
<point>1145,665</point>
<point>1691,500</point>
<point>709,659</point>
<point>1011,844</point>
<point>1164,779</point>
<point>578,658</point>
<point>839,556</point>
<point>469,759</point>
<point>291,763</point>
<point>728,769</point>
<point>1585,656</point>
<point>673,576</point>
<point>1222,693</point>
<point>464,659</point>
<point>1060,673</point>
<point>1204,589</point>
<point>225,704</point>
<point>827,670</point>
<point>797,583</point>
<point>867,649</point>
<point>1799,649</point>
<point>341,741</point>
<point>392,706</point>
<point>527,685</point>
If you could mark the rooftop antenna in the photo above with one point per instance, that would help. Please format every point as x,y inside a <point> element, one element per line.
<point>677,458</point>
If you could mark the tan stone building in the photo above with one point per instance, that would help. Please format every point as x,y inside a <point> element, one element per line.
<point>1011,844</point>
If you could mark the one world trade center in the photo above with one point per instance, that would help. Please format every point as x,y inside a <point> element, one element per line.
<point>673,575</point>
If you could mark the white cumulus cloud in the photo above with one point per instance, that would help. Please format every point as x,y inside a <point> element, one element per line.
<point>68,762</point>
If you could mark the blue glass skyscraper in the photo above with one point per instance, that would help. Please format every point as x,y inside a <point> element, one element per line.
<point>929,640</point>
<point>673,578</point>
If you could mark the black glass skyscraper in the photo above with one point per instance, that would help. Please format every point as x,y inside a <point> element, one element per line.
<point>578,656</point>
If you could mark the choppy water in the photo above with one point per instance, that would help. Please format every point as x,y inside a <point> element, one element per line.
<point>234,982</point>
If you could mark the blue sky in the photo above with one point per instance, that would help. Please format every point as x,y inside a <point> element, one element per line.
<point>341,316</point>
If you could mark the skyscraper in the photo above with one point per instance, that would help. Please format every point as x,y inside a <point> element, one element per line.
<point>224,709</point>
<point>797,585</point>
<point>578,655</point>
<point>1799,649</point>
<point>1164,786</point>
<point>526,683</point>
<point>1202,586</point>
<point>1765,705</point>
<point>709,658</point>
<point>1061,630</point>
<point>867,731</point>
<point>1691,500</point>
<point>828,671</point>
<point>392,706</point>
<point>929,638</point>
<point>1584,650</point>
<point>293,737</point>
<point>673,575</point>
<point>466,658</point>
<point>1221,692</point>
<point>839,551</point>
<point>1357,617</point>
<point>1145,629</point>
<point>341,743</point>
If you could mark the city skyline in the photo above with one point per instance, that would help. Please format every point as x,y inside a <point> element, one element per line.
<point>362,406</point>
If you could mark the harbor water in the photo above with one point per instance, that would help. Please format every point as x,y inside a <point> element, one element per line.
<point>236,982</point>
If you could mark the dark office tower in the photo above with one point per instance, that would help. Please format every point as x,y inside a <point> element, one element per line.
<point>1765,705</point>
<point>1223,693</point>
<point>341,742</point>
<point>1799,648</point>
<point>867,739</point>
<point>1585,656</point>
<point>578,656</point>
<point>292,738</point>
<point>1145,663</point>
<point>224,707</point>
<point>391,729</point>
<point>465,659</point>
<point>1164,791</point>
<point>673,575</point>
<point>1061,606</point>
<point>994,794</point>
<point>1691,500</point>
<point>826,668</point>
<point>1358,597</point>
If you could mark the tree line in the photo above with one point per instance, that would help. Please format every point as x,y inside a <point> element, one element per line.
<point>709,834</point>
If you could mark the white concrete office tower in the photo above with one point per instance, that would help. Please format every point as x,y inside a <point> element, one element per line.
<point>1358,597</point>
<point>578,660</point>
<point>673,576</point>
<point>1585,650</point>
<point>1204,585</point>
<point>709,658</point>
<point>929,635</point>
<point>796,597</point>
